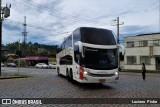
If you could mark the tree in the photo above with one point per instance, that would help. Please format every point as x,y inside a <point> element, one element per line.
<point>12,47</point>
<point>33,49</point>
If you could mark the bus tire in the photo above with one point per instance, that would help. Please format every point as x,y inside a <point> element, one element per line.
<point>58,73</point>
<point>67,75</point>
<point>71,76</point>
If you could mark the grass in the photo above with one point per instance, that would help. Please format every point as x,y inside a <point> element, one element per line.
<point>14,75</point>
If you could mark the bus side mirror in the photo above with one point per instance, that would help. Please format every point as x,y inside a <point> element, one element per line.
<point>78,43</point>
<point>123,48</point>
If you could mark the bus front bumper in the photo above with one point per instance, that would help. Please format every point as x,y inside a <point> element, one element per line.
<point>93,79</point>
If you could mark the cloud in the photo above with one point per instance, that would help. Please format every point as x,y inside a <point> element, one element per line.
<point>47,21</point>
<point>135,29</point>
<point>11,27</point>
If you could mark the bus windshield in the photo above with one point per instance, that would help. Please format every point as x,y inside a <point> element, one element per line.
<point>97,36</point>
<point>99,59</point>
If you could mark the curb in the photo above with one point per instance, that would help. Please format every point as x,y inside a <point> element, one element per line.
<point>140,71</point>
<point>13,77</point>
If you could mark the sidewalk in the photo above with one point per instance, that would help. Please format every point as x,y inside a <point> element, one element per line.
<point>140,71</point>
<point>11,77</point>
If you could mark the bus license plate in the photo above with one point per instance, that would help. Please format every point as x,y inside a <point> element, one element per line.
<point>102,80</point>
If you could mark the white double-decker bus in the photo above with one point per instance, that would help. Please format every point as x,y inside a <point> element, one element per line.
<point>89,55</point>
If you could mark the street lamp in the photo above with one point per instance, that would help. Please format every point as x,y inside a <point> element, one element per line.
<point>117,23</point>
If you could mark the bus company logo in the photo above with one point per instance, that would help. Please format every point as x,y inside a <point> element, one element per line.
<point>6,101</point>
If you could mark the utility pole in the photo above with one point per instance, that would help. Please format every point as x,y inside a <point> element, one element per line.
<point>118,43</point>
<point>4,13</point>
<point>18,56</point>
<point>118,30</point>
<point>24,34</point>
<point>1,31</point>
<point>159,16</point>
<point>117,24</point>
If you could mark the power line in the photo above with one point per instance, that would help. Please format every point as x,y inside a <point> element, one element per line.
<point>55,15</point>
<point>57,32</point>
<point>52,35</point>
<point>39,28</point>
<point>59,13</point>
<point>67,17</point>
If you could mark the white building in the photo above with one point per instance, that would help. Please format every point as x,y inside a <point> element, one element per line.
<point>144,48</point>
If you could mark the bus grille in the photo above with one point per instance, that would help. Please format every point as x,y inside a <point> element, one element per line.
<point>101,75</point>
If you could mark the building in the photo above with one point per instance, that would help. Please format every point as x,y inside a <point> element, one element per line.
<point>11,57</point>
<point>144,48</point>
<point>33,60</point>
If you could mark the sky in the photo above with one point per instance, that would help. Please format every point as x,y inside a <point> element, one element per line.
<point>50,21</point>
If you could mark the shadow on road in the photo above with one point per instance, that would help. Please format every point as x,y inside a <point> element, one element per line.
<point>93,86</point>
<point>90,86</point>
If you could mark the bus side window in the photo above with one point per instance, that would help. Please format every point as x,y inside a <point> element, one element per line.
<point>76,53</point>
<point>62,61</point>
<point>69,60</point>
<point>66,60</point>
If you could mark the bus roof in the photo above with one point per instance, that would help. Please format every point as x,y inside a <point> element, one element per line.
<point>95,35</point>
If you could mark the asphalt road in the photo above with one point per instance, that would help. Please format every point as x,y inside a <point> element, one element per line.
<point>44,83</point>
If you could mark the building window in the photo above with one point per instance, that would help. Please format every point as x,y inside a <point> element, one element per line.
<point>131,60</point>
<point>156,42</point>
<point>130,44</point>
<point>143,43</point>
<point>145,59</point>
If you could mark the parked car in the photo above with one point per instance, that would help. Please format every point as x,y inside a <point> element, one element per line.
<point>11,65</point>
<point>41,65</point>
<point>53,66</point>
<point>2,65</point>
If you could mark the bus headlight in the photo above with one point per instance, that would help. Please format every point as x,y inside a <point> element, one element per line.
<point>85,72</point>
<point>116,73</point>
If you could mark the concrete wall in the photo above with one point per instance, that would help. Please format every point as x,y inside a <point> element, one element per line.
<point>156,50</point>
<point>137,51</point>
<point>139,67</point>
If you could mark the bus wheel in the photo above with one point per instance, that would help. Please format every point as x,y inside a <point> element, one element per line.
<point>71,76</point>
<point>58,72</point>
<point>67,74</point>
